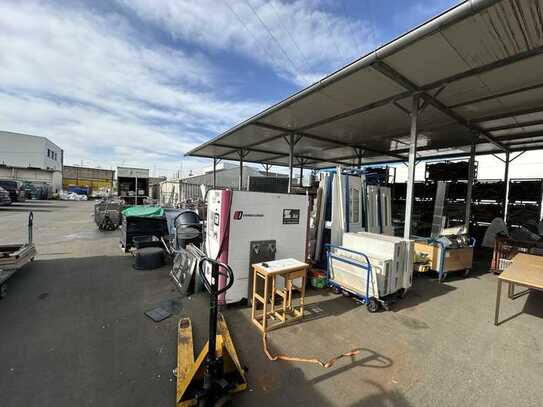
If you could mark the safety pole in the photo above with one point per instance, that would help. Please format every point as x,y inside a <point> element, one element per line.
<point>411,168</point>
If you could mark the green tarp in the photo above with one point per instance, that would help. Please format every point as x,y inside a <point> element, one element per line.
<point>143,211</point>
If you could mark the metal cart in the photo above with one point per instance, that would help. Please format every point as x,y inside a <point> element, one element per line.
<point>372,300</point>
<point>13,257</point>
<point>446,259</point>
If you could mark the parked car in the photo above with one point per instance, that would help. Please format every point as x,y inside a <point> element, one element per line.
<point>38,190</point>
<point>4,197</point>
<point>15,189</point>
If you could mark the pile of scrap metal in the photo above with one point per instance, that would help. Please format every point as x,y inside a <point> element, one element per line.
<point>507,242</point>
<point>185,269</point>
<point>184,245</point>
<point>14,256</point>
<point>107,213</point>
<point>155,235</point>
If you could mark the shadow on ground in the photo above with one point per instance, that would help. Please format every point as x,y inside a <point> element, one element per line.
<point>274,383</point>
<point>77,326</point>
<point>22,209</point>
<point>533,305</point>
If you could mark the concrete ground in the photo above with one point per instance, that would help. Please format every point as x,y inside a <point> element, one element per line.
<point>72,331</point>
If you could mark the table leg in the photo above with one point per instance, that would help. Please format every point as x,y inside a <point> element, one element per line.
<point>265,310</point>
<point>498,298</point>
<point>273,294</point>
<point>289,291</point>
<point>302,295</point>
<point>253,309</point>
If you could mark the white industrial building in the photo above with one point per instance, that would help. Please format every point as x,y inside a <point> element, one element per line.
<point>30,158</point>
<point>227,175</point>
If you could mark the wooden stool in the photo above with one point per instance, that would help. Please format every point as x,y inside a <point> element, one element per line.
<point>290,270</point>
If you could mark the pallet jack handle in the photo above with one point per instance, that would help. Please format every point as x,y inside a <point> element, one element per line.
<point>214,367</point>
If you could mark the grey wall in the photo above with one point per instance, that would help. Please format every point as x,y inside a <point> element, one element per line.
<point>24,151</point>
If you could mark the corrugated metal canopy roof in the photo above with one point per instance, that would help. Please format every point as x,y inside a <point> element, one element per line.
<point>478,69</point>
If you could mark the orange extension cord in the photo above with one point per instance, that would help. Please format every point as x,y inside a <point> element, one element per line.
<point>316,361</point>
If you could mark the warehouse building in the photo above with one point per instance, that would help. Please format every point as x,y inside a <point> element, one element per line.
<point>28,158</point>
<point>95,180</point>
<point>227,175</point>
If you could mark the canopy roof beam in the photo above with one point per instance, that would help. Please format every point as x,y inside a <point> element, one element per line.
<point>401,80</point>
<point>521,112</point>
<point>484,68</point>
<point>515,125</point>
<point>323,139</point>
<point>274,155</point>
<point>496,95</point>
<point>521,136</point>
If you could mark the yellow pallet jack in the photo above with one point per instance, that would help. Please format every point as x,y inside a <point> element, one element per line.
<point>217,372</point>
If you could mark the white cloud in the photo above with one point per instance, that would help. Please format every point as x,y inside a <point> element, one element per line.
<point>107,91</point>
<point>313,40</point>
<point>94,86</point>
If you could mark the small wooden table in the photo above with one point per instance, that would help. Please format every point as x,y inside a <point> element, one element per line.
<point>290,270</point>
<point>525,270</point>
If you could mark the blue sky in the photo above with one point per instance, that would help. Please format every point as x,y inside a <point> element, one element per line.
<point>139,82</point>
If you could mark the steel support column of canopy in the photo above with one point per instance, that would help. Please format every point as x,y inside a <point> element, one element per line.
<point>358,153</point>
<point>411,167</point>
<point>214,172</point>
<point>291,143</point>
<point>471,179</point>
<point>242,155</point>
<point>507,161</point>
<point>301,172</point>
<point>267,168</point>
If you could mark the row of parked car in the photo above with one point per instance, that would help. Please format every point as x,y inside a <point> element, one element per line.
<point>11,191</point>
<point>17,191</point>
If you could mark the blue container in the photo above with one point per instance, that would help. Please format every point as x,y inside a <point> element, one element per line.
<point>78,190</point>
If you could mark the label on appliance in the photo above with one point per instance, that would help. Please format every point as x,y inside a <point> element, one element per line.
<point>291,216</point>
<point>238,215</point>
<point>216,218</point>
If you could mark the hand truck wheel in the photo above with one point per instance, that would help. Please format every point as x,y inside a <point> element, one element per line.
<point>373,305</point>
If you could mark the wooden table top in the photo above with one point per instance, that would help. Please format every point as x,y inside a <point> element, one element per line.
<point>525,269</point>
<point>280,266</point>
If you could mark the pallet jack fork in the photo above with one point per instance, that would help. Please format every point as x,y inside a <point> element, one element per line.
<point>216,373</point>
